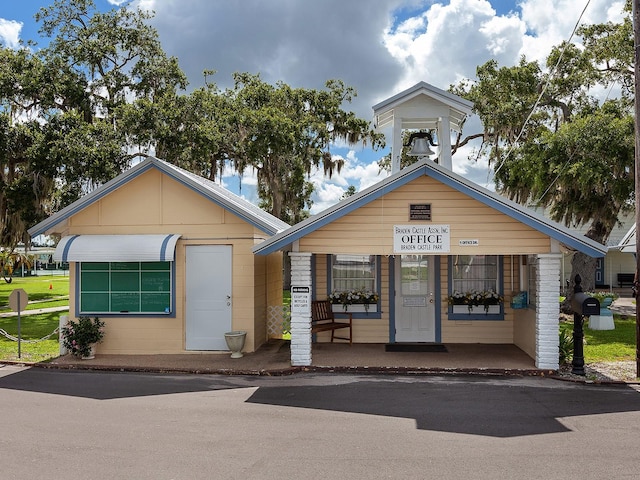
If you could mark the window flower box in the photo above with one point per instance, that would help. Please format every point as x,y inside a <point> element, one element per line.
<point>476,310</point>
<point>476,302</point>
<point>355,308</point>
<point>354,301</point>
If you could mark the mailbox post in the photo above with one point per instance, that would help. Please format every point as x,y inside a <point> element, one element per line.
<point>583,306</point>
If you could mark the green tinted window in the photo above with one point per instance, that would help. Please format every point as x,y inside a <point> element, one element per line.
<point>125,287</point>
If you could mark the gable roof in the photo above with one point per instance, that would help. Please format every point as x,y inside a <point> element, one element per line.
<point>628,242</point>
<point>459,108</point>
<point>210,190</point>
<point>447,177</point>
<point>618,235</point>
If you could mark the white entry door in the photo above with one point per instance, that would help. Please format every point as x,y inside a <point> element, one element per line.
<point>415,299</point>
<point>208,296</point>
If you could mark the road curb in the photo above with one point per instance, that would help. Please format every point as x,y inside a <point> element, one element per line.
<point>306,369</point>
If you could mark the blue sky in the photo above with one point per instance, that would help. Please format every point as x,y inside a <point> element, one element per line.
<point>379,47</point>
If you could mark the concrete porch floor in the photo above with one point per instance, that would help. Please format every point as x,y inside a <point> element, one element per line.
<point>457,357</point>
<point>273,358</point>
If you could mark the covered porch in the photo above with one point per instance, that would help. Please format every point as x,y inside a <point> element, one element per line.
<point>420,240</point>
<point>456,357</point>
<point>474,240</point>
<point>412,326</point>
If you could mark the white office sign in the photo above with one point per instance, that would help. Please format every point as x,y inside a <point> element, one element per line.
<point>421,239</point>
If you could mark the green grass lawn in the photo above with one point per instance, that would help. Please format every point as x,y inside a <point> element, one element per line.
<point>43,291</point>
<point>32,327</point>
<point>38,288</point>
<point>608,345</point>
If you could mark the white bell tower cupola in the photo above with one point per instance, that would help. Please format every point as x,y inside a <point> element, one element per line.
<point>431,114</point>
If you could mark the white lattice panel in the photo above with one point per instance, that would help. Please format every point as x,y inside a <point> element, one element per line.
<point>278,320</point>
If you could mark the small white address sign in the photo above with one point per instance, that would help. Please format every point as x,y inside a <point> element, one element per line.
<point>469,242</point>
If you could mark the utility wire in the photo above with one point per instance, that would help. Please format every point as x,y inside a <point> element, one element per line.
<point>544,89</point>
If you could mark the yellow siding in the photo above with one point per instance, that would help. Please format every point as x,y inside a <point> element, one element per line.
<point>370,228</point>
<point>268,291</point>
<point>155,203</point>
<point>170,207</point>
<point>274,279</point>
<point>260,295</point>
<point>524,331</point>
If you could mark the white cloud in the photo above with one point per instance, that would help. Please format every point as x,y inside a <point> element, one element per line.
<point>453,41</point>
<point>446,42</point>
<point>549,22</point>
<point>502,34</point>
<point>145,5</point>
<point>359,173</point>
<point>378,51</point>
<point>476,170</point>
<point>10,32</point>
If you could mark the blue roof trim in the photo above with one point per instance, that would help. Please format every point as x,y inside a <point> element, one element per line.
<point>202,191</point>
<point>89,199</point>
<point>358,200</point>
<point>231,202</point>
<point>516,213</point>
<point>446,177</point>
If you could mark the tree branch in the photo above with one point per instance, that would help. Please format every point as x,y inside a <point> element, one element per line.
<point>461,143</point>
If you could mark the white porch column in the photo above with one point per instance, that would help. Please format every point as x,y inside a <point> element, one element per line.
<point>444,142</point>
<point>301,322</point>
<point>548,310</point>
<point>396,146</point>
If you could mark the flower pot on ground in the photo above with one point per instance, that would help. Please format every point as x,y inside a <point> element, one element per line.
<point>605,298</point>
<point>235,342</point>
<point>92,353</point>
<point>80,337</point>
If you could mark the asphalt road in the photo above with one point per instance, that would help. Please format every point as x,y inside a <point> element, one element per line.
<point>90,425</point>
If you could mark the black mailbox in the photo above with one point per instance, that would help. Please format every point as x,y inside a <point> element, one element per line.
<point>583,304</point>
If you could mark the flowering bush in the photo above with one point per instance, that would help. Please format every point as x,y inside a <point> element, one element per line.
<point>77,337</point>
<point>603,296</point>
<point>476,298</point>
<point>352,297</point>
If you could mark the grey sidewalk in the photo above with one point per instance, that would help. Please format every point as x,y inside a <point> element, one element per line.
<point>35,311</point>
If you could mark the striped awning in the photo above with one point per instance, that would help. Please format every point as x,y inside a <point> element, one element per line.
<point>116,248</point>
